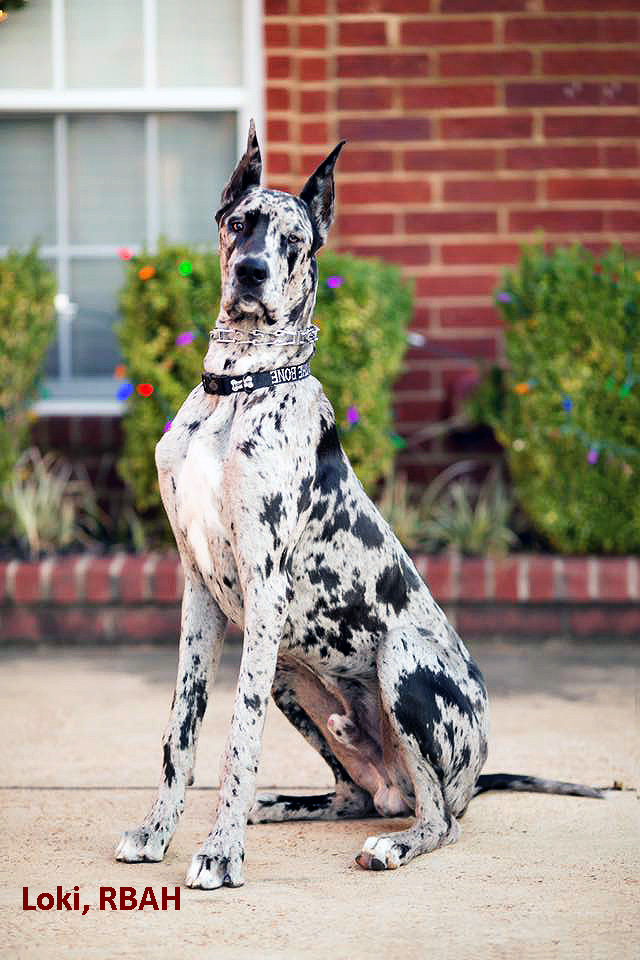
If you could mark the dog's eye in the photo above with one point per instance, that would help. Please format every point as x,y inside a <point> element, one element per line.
<point>292,238</point>
<point>237,226</point>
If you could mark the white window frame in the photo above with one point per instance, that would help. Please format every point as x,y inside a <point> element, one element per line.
<point>57,102</point>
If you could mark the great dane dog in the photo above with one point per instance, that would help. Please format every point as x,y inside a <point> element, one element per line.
<point>277,535</point>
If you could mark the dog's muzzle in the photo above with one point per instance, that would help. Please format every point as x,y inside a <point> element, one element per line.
<point>247,305</point>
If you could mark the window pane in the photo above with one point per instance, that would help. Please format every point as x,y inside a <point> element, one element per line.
<point>103,43</point>
<point>95,285</point>
<point>27,207</point>
<point>106,179</point>
<point>25,46</point>
<point>199,43</point>
<point>197,154</point>
<point>50,364</point>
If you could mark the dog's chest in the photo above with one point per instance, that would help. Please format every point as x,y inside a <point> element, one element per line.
<point>191,474</point>
<point>199,501</point>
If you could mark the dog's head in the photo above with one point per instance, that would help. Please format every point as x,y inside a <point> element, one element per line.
<point>268,242</point>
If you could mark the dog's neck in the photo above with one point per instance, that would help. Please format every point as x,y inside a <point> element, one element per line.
<point>229,358</point>
<point>237,357</point>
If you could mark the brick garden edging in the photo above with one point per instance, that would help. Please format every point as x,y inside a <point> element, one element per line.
<point>124,598</point>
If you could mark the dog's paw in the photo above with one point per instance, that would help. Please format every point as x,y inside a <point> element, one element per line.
<point>393,850</point>
<point>382,853</point>
<point>218,863</point>
<point>143,844</point>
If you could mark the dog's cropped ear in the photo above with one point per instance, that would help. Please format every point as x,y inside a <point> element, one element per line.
<point>318,193</point>
<point>246,174</point>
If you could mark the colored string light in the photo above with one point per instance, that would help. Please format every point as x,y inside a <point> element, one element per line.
<point>185,268</point>
<point>594,446</point>
<point>124,391</point>
<point>334,282</point>
<point>145,273</point>
<point>124,253</point>
<point>184,339</point>
<point>353,416</point>
<point>144,389</point>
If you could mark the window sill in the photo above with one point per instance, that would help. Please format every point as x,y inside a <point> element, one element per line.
<point>80,397</point>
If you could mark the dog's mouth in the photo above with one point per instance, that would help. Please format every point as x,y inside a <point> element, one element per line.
<point>246,305</point>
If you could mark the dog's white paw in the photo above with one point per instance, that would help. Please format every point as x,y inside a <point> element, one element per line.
<point>382,853</point>
<point>142,844</point>
<point>218,863</point>
<point>393,850</point>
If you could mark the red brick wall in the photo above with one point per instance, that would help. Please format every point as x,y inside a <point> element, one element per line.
<point>471,125</point>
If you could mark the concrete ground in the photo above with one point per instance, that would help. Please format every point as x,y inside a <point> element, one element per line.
<point>532,876</point>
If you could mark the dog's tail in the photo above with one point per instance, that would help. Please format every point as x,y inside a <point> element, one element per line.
<point>515,781</point>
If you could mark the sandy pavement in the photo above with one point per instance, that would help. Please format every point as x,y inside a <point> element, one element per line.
<point>531,877</point>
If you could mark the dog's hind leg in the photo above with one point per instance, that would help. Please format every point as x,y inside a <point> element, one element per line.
<point>347,800</point>
<point>201,635</point>
<point>435,704</point>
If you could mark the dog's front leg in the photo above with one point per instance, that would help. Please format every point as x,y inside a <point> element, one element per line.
<point>201,635</point>
<point>220,860</point>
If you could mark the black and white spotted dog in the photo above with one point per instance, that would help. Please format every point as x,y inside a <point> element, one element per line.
<point>277,535</point>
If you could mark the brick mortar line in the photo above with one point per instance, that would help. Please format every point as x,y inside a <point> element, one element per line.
<point>114,574</point>
<point>80,570</point>
<point>633,584</point>
<point>522,589</point>
<point>501,176</point>
<point>148,576</point>
<point>455,565</point>
<point>45,570</point>
<point>496,111</point>
<point>10,578</point>
<point>489,578</point>
<point>515,47</point>
<point>559,583</point>
<point>463,17</point>
<point>444,596</point>
<point>153,603</point>
<point>593,585</point>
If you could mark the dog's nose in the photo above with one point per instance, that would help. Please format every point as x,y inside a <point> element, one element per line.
<point>252,271</point>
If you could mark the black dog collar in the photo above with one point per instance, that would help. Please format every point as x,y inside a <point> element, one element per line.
<point>225,386</point>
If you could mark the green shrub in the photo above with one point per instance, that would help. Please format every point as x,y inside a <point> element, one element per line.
<point>567,408</point>
<point>154,311</point>
<point>27,326</point>
<point>362,322</point>
<point>363,336</point>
